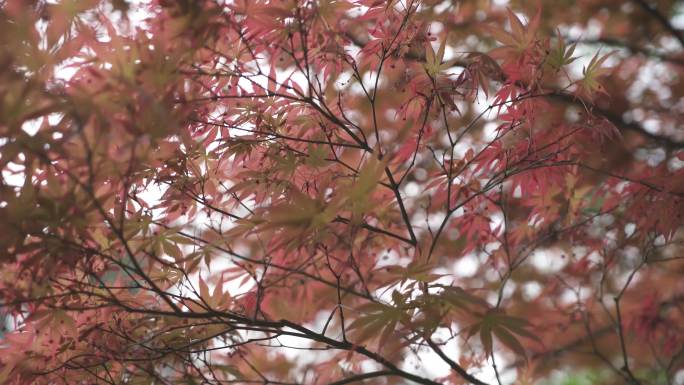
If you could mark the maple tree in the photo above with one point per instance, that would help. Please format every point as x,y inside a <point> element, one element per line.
<point>341,191</point>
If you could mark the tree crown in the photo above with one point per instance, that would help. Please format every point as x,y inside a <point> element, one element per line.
<point>340,191</point>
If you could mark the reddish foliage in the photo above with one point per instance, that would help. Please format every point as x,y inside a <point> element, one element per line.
<point>322,192</point>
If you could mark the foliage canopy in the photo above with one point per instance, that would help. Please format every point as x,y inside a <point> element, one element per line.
<point>341,191</point>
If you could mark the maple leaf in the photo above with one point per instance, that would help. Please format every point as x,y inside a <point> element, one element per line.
<point>561,55</point>
<point>434,62</point>
<point>589,86</point>
<point>505,328</point>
